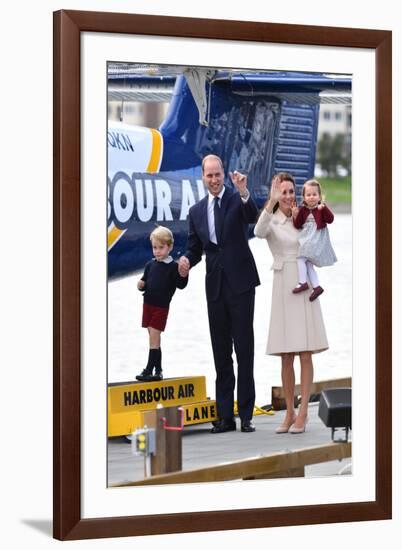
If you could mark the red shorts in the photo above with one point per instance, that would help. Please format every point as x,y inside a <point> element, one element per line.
<point>154,317</point>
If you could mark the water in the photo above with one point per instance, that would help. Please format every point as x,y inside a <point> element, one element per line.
<point>186,346</point>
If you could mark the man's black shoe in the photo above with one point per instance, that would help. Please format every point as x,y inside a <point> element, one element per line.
<point>247,426</point>
<point>224,426</point>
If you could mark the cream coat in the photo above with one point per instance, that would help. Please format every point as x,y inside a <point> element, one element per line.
<point>296,323</point>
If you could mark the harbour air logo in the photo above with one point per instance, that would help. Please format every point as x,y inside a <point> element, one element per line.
<point>138,198</point>
<point>154,395</point>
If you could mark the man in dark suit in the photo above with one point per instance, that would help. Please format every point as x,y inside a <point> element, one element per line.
<point>218,227</point>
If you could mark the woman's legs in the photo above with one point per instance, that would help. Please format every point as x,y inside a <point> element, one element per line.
<point>306,380</point>
<point>288,384</point>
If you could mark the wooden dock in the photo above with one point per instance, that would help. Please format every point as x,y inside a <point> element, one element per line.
<point>262,451</point>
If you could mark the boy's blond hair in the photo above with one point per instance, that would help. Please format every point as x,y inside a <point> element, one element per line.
<point>163,235</point>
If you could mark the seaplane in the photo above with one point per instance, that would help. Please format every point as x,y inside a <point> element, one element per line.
<point>258,122</point>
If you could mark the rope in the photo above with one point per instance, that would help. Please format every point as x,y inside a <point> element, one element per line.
<point>258,410</point>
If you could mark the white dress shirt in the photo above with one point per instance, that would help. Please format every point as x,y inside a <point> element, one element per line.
<point>211,217</point>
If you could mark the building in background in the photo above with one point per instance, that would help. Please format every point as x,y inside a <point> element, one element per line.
<point>139,102</point>
<point>335,119</point>
<point>138,113</point>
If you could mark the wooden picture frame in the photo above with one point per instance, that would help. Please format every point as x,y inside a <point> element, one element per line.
<point>68,521</point>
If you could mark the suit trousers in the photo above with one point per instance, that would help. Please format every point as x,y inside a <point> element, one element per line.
<point>231,324</point>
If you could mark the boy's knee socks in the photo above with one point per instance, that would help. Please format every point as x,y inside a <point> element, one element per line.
<point>158,360</point>
<point>154,357</point>
<point>158,357</point>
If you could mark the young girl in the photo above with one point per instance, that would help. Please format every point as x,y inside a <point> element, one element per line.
<point>315,246</point>
<point>159,283</point>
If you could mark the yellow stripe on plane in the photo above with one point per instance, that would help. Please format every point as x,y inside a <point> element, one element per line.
<point>156,155</point>
<point>113,236</point>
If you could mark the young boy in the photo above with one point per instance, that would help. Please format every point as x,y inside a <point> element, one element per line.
<point>159,283</point>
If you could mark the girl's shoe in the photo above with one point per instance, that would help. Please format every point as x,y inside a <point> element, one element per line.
<point>317,291</point>
<point>301,287</point>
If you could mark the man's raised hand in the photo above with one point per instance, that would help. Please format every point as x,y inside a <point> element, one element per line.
<point>239,181</point>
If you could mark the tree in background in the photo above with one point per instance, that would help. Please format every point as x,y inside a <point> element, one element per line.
<point>333,152</point>
<point>346,161</point>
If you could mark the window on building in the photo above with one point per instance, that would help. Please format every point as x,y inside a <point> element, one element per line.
<point>327,115</point>
<point>338,115</point>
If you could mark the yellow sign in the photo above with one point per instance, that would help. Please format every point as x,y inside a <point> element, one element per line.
<point>127,400</point>
<point>147,395</point>
<point>198,413</point>
<point>124,423</point>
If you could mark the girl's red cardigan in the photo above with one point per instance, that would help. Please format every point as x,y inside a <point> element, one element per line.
<point>322,216</point>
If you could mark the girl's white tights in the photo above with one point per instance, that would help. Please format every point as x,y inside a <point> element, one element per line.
<point>306,268</point>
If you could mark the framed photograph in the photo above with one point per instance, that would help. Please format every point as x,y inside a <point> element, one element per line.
<point>86,44</point>
<point>259,122</point>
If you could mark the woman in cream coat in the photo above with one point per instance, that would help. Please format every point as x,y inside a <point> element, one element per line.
<point>296,325</point>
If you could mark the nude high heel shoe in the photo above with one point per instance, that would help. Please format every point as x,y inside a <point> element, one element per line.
<point>293,430</point>
<point>284,428</point>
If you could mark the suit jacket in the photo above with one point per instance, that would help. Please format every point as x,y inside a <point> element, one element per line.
<point>233,256</point>
<point>322,217</point>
